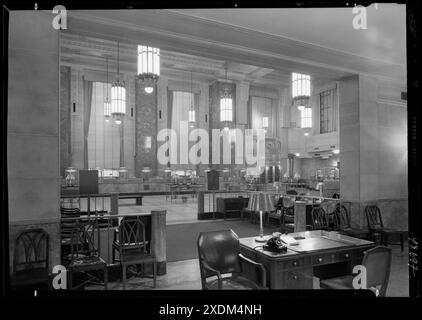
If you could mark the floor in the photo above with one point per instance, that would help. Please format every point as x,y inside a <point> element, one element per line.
<point>184,275</point>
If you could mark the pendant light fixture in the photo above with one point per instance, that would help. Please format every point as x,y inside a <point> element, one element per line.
<point>107,104</point>
<point>226,106</point>
<point>148,66</point>
<point>118,95</point>
<point>192,117</point>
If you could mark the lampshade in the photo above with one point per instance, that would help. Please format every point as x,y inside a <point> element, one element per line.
<point>226,107</point>
<point>107,109</point>
<point>148,66</point>
<point>260,201</point>
<point>301,85</point>
<point>118,95</point>
<point>118,99</point>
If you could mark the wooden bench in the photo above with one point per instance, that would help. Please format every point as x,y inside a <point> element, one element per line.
<point>132,195</point>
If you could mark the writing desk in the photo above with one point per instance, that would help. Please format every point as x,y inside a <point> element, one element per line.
<point>320,253</point>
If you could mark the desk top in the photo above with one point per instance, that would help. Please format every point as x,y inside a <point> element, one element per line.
<point>309,242</point>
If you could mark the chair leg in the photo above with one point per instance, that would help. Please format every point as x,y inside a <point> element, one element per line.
<point>124,276</point>
<point>105,278</point>
<point>401,242</point>
<point>155,274</point>
<point>385,239</point>
<point>69,280</point>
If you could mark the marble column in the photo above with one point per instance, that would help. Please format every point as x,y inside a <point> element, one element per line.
<point>145,128</point>
<point>358,143</point>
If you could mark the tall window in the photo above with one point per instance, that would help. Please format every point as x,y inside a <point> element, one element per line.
<point>305,117</point>
<point>327,111</point>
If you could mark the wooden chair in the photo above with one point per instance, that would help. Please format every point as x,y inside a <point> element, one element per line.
<point>377,262</point>
<point>276,214</point>
<point>68,226</point>
<point>219,254</point>
<point>342,224</point>
<point>85,257</point>
<point>376,226</point>
<point>132,247</point>
<point>30,259</point>
<point>288,215</point>
<point>319,219</point>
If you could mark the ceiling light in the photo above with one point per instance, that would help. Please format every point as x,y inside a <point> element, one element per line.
<point>148,66</point>
<point>118,95</point>
<point>226,104</point>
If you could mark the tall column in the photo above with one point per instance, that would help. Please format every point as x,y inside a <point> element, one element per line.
<point>145,126</point>
<point>33,155</point>
<point>358,144</point>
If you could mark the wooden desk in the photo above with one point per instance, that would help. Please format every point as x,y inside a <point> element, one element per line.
<point>315,255</point>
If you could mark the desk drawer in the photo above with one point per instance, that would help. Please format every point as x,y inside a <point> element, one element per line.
<point>297,279</point>
<point>291,264</point>
<point>342,256</point>
<point>321,259</point>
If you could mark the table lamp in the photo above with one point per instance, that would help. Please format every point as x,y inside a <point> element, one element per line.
<point>261,202</point>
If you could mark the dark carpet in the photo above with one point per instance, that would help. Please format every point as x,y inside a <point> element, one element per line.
<point>181,238</point>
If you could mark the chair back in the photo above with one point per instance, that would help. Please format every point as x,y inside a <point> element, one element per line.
<point>219,250</point>
<point>373,217</point>
<point>319,219</point>
<point>31,250</point>
<point>377,262</point>
<point>341,218</point>
<point>132,234</point>
<point>288,211</point>
<point>85,239</point>
<point>70,221</point>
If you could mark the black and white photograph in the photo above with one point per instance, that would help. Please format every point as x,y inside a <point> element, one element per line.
<point>184,149</point>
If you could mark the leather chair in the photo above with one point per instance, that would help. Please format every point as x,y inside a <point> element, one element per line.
<point>219,254</point>
<point>377,262</point>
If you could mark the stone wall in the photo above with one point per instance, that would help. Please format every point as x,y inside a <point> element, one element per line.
<point>33,126</point>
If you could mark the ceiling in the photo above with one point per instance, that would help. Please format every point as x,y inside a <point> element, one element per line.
<point>384,39</point>
<point>262,46</point>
